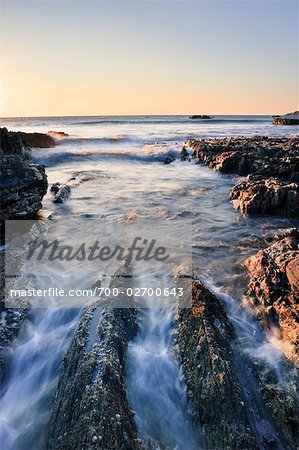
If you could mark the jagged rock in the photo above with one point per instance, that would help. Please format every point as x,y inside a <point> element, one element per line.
<point>274,289</point>
<point>287,119</point>
<point>203,344</point>
<point>61,192</point>
<point>41,140</point>
<point>257,155</point>
<point>91,409</point>
<point>22,185</point>
<point>259,195</point>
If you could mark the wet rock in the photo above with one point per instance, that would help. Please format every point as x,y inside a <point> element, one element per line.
<point>91,409</point>
<point>22,185</point>
<point>57,134</point>
<point>257,155</point>
<point>274,289</point>
<point>184,154</point>
<point>168,159</point>
<point>40,140</point>
<point>203,343</point>
<point>61,192</point>
<point>259,195</point>
<point>287,119</point>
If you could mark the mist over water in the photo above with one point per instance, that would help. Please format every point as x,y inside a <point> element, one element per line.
<point>117,174</point>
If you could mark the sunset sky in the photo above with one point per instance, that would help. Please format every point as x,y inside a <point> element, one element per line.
<point>148,57</point>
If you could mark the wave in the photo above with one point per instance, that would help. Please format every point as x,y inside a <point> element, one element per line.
<point>148,153</point>
<point>101,140</point>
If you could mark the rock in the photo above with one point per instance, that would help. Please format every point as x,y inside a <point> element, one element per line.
<point>203,340</point>
<point>239,400</point>
<point>273,288</point>
<point>168,159</point>
<point>184,154</point>
<point>61,192</point>
<point>22,185</point>
<point>200,117</point>
<point>258,155</point>
<point>259,195</point>
<point>287,119</point>
<point>57,134</point>
<point>38,140</point>
<point>91,405</point>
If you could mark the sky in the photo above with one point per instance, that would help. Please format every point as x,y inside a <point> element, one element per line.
<point>97,57</point>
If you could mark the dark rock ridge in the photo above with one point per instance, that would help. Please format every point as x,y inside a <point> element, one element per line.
<point>203,344</point>
<point>22,185</point>
<point>274,289</point>
<point>258,155</point>
<point>239,402</point>
<point>259,195</point>
<point>40,140</point>
<point>288,119</point>
<point>200,117</point>
<point>91,409</point>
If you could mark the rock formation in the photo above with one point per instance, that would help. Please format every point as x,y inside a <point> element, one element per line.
<point>239,402</point>
<point>40,140</point>
<point>203,342</point>
<point>258,155</point>
<point>23,185</point>
<point>273,166</point>
<point>287,119</point>
<point>259,195</point>
<point>274,289</point>
<point>91,409</point>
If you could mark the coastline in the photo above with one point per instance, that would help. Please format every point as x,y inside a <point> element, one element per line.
<point>266,392</point>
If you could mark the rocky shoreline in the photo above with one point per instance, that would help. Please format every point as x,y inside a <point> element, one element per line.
<point>239,403</point>
<point>272,166</point>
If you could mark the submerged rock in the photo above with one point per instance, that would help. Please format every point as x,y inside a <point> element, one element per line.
<point>91,409</point>
<point>203,342</point>
<point>22,185</point>
<point>259,195</point>
<point>274,289</point>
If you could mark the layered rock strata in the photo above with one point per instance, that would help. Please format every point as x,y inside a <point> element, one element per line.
<point>91,409</point>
